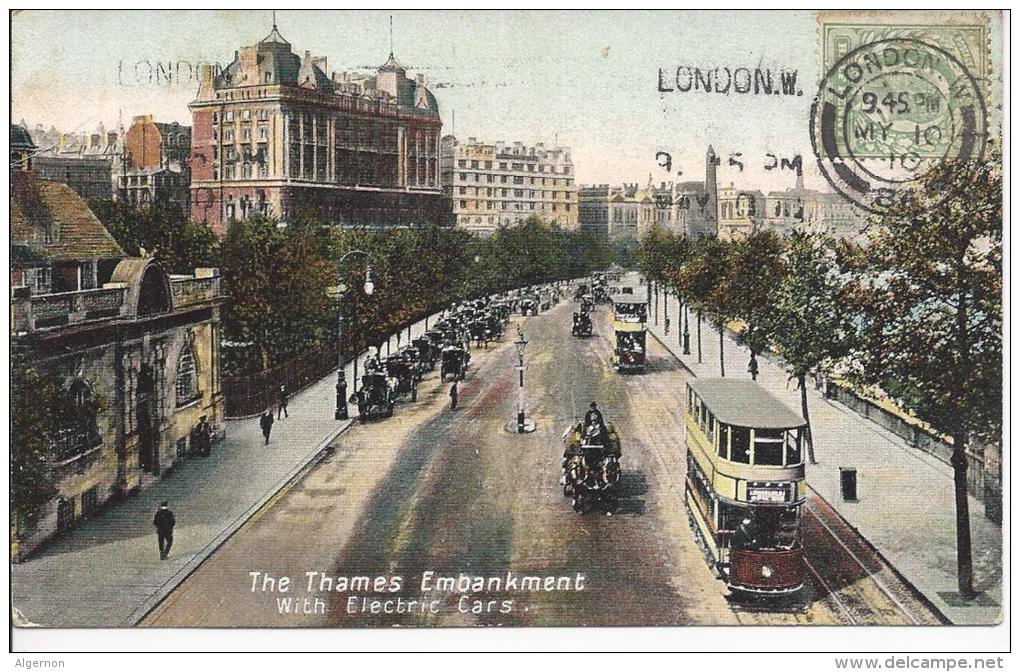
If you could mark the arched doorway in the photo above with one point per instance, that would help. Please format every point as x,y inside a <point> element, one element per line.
<point>148,453</point>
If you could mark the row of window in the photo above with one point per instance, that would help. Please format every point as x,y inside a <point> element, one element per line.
<point>246,135</point>
<point>511,205</point>
<point>477,177</point>
<point>768,447</point>
<point>487,165</point>
<point>244,115</point>
<point>517,193</point>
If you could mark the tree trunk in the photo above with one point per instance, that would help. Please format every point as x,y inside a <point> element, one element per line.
<point>809,442</point>
<point>722,358</point>
<point>656,304</point>
<point>699,336</point>
<point>964,563</point>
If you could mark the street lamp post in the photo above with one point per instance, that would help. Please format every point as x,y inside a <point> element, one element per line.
<point>522,424</point>
<point>687,330</point>
<point>341,376</point>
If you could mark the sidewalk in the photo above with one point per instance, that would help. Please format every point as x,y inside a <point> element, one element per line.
<point>106,572</point>
<point>906,506</point>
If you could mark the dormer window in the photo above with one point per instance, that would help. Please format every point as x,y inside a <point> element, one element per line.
<point>268,78</point>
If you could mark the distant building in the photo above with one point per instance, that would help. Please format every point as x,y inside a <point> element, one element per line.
<point>90,177</point>
<point>113,327</point>
<point>740,212</point>
<point>812,211</point>
<point>90,163</point>
<point>143,187</point>
<point>157,164</point>
<point>593,209</point>
<point>492,185</point>
<point>628,212</point>
<point>274,134</point>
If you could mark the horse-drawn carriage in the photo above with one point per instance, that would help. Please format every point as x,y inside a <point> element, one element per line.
<point>591,466</point>
<point>427,353</point>
<point>401,369</point>
<point>454,364</point>
<point>376,397</point>
<point>582,326</point>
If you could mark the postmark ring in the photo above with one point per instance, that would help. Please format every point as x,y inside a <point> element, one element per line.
<point>886,111</point>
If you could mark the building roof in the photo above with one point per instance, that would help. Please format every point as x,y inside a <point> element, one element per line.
<point>744,403</point>
<point>40,206</point>
<point>274,37</point>
<point>21,138</point>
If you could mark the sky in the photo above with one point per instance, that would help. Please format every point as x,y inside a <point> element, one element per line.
<point>587,80</point>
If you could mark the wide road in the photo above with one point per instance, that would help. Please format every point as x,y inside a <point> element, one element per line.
<point>436,493</point>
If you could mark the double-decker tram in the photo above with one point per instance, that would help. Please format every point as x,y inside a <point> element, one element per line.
<point>745,484</point>
<point>630,312</point>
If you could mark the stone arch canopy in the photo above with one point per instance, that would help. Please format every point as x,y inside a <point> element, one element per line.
<point>148,286</point>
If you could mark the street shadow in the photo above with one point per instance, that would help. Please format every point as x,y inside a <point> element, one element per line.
<point>633,486</point>
<point>663,364</point>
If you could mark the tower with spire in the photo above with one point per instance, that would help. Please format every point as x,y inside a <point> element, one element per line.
<point>711,227</point>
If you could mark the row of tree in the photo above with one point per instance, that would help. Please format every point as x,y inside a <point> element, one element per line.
<point>278,277</point>
<point>915,310</point>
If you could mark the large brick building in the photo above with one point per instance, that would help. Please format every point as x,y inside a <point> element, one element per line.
<point>274,134</point>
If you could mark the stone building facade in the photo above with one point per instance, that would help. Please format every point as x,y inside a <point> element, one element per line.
<point>492,185</point>
<point>593,209</point>
<point>275,135</point>
<point>628,211</point>
<point>113,328</point>
<point>797,209</point>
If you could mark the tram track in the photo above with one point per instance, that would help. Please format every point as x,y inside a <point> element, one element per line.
<point>853,577</point>
<point>847,582</point>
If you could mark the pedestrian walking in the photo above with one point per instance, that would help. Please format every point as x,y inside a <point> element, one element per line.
<point>282,411</point>
<point>453,396</point>
<point>201,438</point>
<point>164,521</point>
<point>266,423</point>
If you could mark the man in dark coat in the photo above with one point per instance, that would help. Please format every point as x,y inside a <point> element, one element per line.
<point>201,440</point>
<point>266,423</point>
<point>164,522</point>
<point>283,403</point>
<point>453,396</point>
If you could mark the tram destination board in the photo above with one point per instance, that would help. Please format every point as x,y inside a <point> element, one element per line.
<point>507,321</point>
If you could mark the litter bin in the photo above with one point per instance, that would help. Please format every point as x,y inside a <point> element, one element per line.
<point>848,483</point>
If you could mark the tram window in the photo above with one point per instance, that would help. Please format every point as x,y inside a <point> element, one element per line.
<point>768,446</point>
<point>793,453</point>
<point>777,528</point>
<point>711,428</point>
<point>724,440</point>
<point>730,516</point>
<point>692,401</point>
<point>703,417</point>
<point>740,445</point>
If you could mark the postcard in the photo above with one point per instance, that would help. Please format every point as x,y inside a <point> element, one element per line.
<point>432,319</point>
